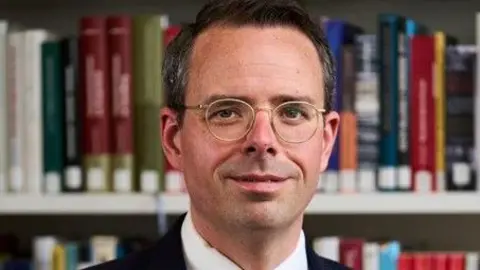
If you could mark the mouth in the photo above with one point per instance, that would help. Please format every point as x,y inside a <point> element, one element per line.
<point>259,178</point>
<point>254,183</point>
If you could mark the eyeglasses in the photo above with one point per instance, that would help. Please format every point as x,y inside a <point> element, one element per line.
<point>231,119</point>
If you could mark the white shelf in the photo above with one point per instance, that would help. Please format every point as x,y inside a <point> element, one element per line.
<point>396,203</point>
<point>137,204</point>
<point>95,204</point>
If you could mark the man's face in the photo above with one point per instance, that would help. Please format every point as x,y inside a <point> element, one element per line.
<point>224,179</point>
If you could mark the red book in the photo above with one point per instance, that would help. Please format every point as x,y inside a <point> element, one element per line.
<point>456,261</point>
<point>351,253</point>
<point>405,261</point>
<point>440,261</point>
<point>95,86</point>
<point>422,261</point>
<point>170,33</point>
<point>120,58</point>
<point>423,113</point>
<point>119,29</point>
<point>96,98</point>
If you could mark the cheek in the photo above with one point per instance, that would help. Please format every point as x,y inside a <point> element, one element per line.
<point>308,157</point>
<point>201,154</point>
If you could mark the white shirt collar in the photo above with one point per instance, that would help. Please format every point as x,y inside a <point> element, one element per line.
<point>199,255</point>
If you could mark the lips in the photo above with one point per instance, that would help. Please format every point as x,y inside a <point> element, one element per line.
<point>259,178</point>
<point>260,184</point>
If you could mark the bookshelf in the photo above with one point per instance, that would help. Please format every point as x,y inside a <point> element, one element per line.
<point>370,214</point>
<point>174,204</point>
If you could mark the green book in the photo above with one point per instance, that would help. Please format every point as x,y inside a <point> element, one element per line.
<point>53,114</point>
<point>148,99</point>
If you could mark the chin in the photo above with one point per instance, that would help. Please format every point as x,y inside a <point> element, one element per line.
<point>263,215</point>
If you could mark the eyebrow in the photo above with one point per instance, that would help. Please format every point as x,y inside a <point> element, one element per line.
<point>275,100</point>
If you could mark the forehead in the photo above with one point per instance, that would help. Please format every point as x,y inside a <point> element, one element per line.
<point>259,64</point>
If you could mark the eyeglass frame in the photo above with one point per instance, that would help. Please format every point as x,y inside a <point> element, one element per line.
<point>255,110</point>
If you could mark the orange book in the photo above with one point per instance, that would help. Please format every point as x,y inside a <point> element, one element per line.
<point>348,123</point>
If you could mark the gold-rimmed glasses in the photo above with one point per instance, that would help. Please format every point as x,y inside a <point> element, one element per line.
<point>231,119</point>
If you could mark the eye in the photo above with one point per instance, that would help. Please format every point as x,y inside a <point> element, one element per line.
<point>295,113</point>
<point>292,112</point>
<point>225,113</point>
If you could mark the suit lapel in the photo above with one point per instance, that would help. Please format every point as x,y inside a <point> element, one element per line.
<point>168,254</point>
<point>313,260</point>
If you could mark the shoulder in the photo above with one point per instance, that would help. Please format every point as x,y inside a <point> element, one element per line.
<point>317,262</point>
<point>328,264</point>
<point>167,253</point>
<point>137,260</point>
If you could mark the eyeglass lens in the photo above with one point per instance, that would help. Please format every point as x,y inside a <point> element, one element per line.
<point>232,119</point>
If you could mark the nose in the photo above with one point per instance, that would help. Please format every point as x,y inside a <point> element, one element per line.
<point>261,139</point>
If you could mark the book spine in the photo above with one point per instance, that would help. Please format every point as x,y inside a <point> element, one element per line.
<point>460,106</point>
<point>4,119</point>
<point>348,134</point>
<point>59,257</point>
<point>422,260</point>
<point>456,261</point>
<point>120,56</point>
<point>148,98</point>
<point>32,105</point>
<point>472,261</point>
<point>388,83</point>
<point>74,180</point>
<point>423,114</point>
<point>367,111</point>
<point>440,261</point>
<point>96,111</point>
<point>371,252</point>
<point>351,253</point>
<point>405,262</point>
<point>335,31</point>
<point>15,129</point>
<point>404,170</point>
<point>53,116</point>
<point>476,97</point>
<point>328,247</point>
<point>439,94</point>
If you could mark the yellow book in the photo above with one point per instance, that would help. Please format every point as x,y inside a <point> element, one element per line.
<point>59,260</point>
<point>442,40</point>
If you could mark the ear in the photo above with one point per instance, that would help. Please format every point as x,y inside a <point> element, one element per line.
<point>330,130</point>
<point>171,143</point>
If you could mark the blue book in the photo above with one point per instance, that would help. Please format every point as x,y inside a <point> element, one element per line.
<point>391,28</point>
<point>338,33</point>
<point>71,254</point>
<point>389,254</point>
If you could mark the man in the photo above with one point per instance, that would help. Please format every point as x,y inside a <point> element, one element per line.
<point>249,122</point>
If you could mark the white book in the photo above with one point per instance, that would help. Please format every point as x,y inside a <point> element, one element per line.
<point>328,247</point>
<point>15,92</point>
<point>103,248</point>
<point>43,247</point>
<point>371,256</point>
<point>32,105</point>
<point>3,108</point>
<point>472,261</point>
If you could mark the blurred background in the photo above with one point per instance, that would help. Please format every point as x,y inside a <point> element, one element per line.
<point>83,179</point>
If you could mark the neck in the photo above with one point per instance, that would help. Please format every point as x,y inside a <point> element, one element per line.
<point>250,249</point>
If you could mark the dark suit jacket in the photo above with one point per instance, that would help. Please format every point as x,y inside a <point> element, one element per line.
<point>167,254</point>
